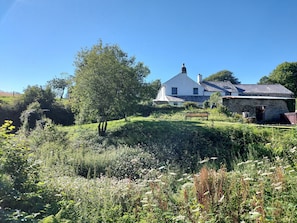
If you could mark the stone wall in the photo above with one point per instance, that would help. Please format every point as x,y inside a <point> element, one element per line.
<point>261,109</point>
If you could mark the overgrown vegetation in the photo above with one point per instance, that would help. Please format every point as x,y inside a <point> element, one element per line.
<point>159,168</point>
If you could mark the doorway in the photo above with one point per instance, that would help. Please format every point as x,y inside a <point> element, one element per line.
<point>260,113</point>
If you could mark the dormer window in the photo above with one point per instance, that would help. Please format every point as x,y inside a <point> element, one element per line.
<point>174,91</point>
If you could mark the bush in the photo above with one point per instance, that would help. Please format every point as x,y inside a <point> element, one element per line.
<point>206,104</point>
<point>190,105</point>
<point>131,163</point>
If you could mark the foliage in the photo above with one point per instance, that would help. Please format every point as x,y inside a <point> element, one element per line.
<point>199,171</point>
<point>184,143</point>
<point>107,83</point>
<point>45,97</point>
<point>150,90</point>
<point>190,105</point>
<point>22,196</point>
<point>265,80</point>
<point>223,75</point>
<point>215,99</point>
<point>284,74</point>
<point>59,85</point>
<point>31,116</point>
<point>206,104</point>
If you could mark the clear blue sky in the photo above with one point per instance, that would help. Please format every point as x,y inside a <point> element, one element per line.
<point>39,39</point>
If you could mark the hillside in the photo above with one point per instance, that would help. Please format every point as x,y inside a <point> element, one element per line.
<point>3,93</point>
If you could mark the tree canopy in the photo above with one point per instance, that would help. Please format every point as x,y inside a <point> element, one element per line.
<point>284,74</point>
<point>224,75</point>
<point>59,85</point>
<point>106,83</point>
<point>44,96</point>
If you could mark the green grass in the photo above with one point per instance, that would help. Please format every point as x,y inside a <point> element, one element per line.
<point>161,168</point>
<point>8,99</point>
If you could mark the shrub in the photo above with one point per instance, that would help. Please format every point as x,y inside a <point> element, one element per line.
<point>206,104</point>
<point>190,105</point>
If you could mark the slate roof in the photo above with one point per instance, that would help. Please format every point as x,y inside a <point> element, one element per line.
<point>263,89</point>
<point>168,98</point>
<point>213,86</point>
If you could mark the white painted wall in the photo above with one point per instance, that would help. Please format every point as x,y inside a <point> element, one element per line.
<point>184,85</point>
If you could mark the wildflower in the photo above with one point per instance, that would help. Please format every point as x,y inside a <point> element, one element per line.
<point>188,184</point>
<point>206,193</point>
<point>196,210</point>
<point>204,161</point>
<point>221,199</point>
<point>266,174</point>
<point>144,200</point>
<point>254,213</point>
<point>180,218</point>
<point>161,168</point>
<point>276,184</point>
<point>248,161</point>
<point>293,150</point>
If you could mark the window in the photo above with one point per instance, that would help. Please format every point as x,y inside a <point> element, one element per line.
<point>174,90</point>
<point>195,90</point>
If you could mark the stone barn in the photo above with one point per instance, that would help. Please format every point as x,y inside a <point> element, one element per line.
<point>263,109</point>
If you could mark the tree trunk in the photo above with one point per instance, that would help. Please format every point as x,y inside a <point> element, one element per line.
<point>102,127</point>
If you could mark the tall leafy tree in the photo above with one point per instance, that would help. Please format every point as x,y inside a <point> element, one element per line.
<point>44,96</point>
<point>265,80</point>
<point>150,90</point>
<point>106,83</point>
<point>224,75</point>
<point>60,84</point>
<point>284,74</point>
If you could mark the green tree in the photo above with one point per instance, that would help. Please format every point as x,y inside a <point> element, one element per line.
<point>106,83</point>
<point>44,96</point>
<point>284,74</point>
<point>59,85</point>
<point>224,75</point>
<point>150,90</point>
<point>215,99</point>
<point>265,80</point>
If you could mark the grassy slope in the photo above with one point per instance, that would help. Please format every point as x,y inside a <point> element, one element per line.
<point>256,190</point>
<point>160,169</point>
<point>184,143</point>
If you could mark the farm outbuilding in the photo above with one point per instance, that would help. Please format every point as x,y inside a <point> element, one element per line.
<point>262,108</point>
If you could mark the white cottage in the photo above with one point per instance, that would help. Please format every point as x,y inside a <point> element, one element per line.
<point>182,88</point>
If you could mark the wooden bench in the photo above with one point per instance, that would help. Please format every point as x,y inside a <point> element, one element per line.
<point>197,114</point>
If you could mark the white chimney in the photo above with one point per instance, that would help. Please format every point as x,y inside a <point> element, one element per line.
<point>199,78</point>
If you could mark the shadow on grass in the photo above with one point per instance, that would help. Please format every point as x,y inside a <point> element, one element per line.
<point>185,143</point>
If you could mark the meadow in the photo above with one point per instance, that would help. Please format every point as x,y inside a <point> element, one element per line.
<point>159,168</point>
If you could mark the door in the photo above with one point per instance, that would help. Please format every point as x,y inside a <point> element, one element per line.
<point>260,113</point>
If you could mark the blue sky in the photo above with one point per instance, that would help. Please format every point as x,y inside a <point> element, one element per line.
<point>39,39</point>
